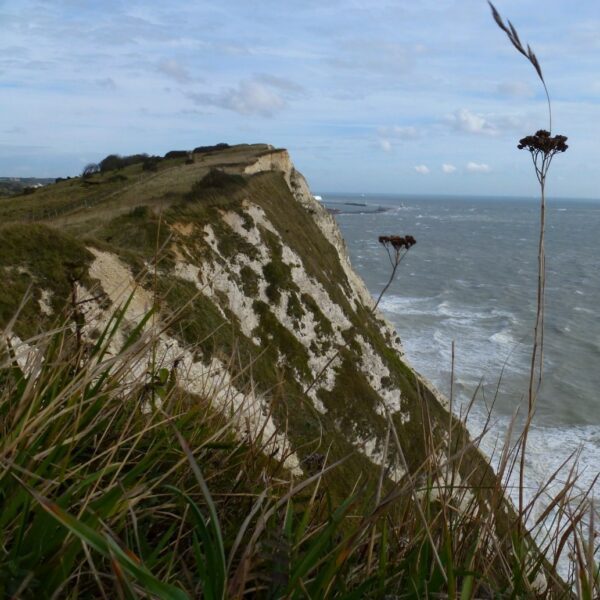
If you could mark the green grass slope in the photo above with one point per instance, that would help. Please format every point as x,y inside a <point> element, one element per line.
<point>244,270</point>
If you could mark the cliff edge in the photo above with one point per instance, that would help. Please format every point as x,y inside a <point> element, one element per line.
<point>244,281</point>
<point>247,263</point>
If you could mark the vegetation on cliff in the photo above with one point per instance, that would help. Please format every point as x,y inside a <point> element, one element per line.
<point>117,483</point>
<point>166,427</point>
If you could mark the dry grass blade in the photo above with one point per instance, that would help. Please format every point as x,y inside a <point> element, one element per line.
<point>416,498</point>
<point>534,61</point>
<point>378,495</point>
<point>528,53</point>
<point>237,583</point>
<point>515,40</point>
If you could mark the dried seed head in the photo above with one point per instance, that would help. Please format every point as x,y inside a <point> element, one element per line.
<point>397,242</point>
<point>543,142</point>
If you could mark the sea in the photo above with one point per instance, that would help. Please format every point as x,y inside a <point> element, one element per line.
<point>470,281</point>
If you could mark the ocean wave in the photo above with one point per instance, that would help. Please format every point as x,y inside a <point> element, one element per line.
<point>504,338</point>
<point>399,209</point>
<point>581,309</point>
<point>549,447</point>
<point>407,305</point>
<point>480,293</point>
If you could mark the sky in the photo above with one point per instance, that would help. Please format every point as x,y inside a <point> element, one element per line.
<point>415,97</point>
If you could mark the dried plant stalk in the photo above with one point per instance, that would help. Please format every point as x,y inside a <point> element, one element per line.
<point>543,147</point>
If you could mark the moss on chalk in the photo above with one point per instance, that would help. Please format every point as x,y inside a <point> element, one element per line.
<point>272,333</point>
<point>276,272</point>
<point>324,327</point>
<point>295,309</point>
<point>250,281</point>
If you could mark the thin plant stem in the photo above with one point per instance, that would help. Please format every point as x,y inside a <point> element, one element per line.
<point>543,147</point>
<point>538,341</point>
<point>395,265</point>
<point>549,106</point>
<point>395,262</point>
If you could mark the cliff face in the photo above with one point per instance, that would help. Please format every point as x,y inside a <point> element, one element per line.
<point>257,303</point>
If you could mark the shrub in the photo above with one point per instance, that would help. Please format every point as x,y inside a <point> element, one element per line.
<point>115,161</point>
<point>90,169</point>
<point>221,180</point>
<point>216,147</point>
<point>111,162</point>
<point>177,154</point>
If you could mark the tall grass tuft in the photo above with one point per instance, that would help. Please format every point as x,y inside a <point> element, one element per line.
<point>104,494</point>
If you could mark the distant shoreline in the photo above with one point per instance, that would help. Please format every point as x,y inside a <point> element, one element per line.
<point>353,208</point>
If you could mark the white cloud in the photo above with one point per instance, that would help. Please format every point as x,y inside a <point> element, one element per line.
<point>448,168</point>
<point>473,167</point>
<point>250,97</point>
<point>468,122</point>
<point>174,70</point>
<point>385,145</point>
<point>422,169</point>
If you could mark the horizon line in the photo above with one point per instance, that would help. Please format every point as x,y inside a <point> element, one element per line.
<point>323,194</point>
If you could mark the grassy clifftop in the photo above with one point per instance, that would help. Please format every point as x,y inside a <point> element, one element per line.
<point>245,266</point>
<point>241,280</point>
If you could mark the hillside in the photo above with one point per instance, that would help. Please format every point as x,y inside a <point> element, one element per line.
<point>258,264</point>
<point>256,307</point>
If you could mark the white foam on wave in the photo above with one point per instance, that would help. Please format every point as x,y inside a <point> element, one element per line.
<point>551,453</point>
<point>503,338</point>
<point>581,309</point>
<point>484,340</point>
<point>548,448</point>
<point>428,305</point>
<point>398,209</point>
<point>406,305</point>
<point>481,350</point>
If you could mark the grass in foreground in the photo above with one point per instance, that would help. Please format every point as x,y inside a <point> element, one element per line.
<point>115,483</point>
